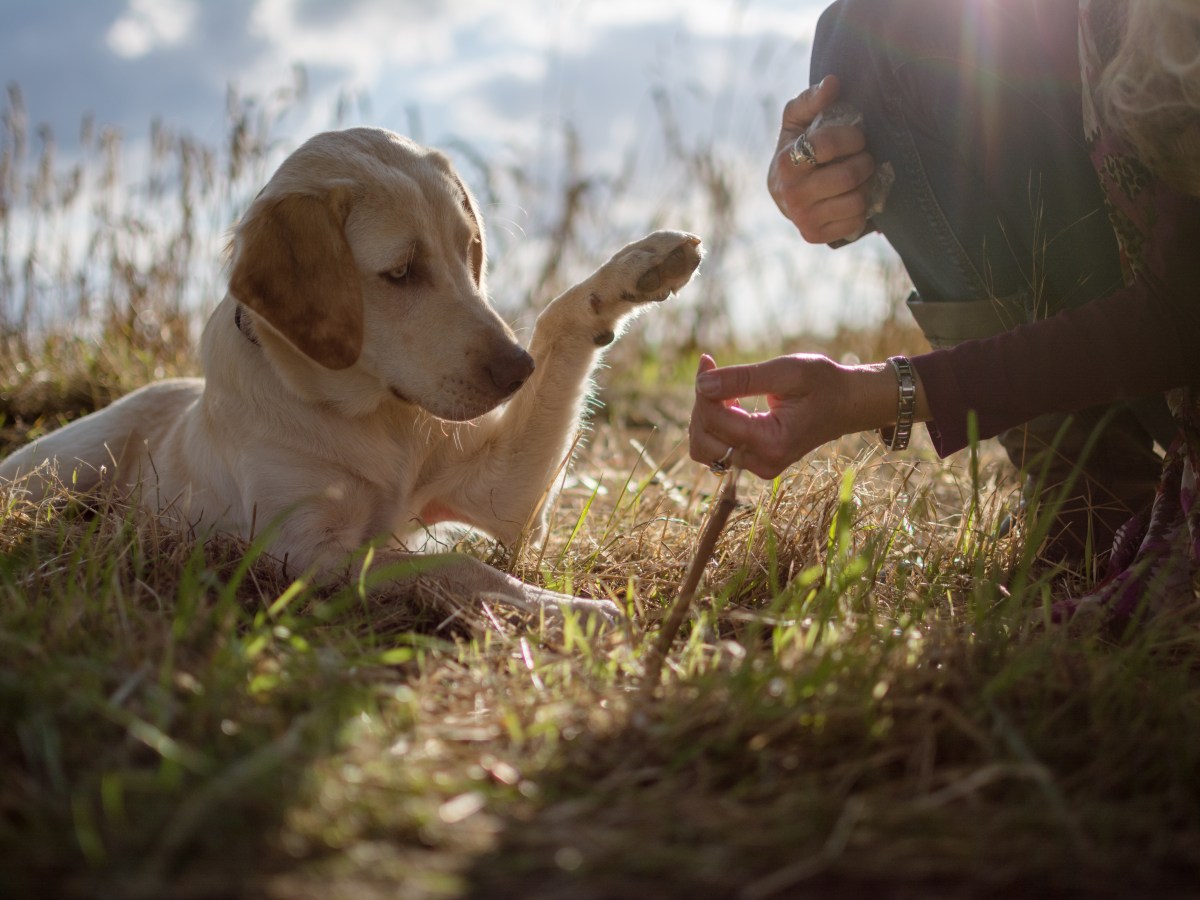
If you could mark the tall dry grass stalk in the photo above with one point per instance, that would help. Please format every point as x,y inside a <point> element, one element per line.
<point>119,244</point>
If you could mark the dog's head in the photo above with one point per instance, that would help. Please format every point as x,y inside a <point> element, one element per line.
<point>365,252</point>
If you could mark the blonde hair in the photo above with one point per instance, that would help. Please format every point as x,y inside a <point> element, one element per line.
<point>1150,91</point>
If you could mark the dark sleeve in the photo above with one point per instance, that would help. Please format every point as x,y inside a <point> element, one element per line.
<point>1142,339</point>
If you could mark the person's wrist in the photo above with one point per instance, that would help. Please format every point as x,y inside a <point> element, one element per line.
<point>868,397</point>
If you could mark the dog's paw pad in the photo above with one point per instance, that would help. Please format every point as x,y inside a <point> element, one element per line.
<point>651,280</point>
<point>674,271</point>
<point>673,257</point>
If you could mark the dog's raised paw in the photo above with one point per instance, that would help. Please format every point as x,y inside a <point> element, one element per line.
<point>646,271</point>
<point>663,262</point>
<point>672,273</point>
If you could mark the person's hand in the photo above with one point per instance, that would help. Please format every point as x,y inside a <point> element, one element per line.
<point>811,400</point>
<point>827,201</point>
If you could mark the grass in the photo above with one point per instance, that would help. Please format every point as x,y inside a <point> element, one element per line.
<point>869,698</point>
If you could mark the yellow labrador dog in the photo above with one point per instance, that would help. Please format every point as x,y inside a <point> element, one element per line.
<point>357,376</point>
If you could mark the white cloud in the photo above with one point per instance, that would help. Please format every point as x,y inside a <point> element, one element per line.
<point>757,16</point>
<point>362,41</point>
<point>149,25</point>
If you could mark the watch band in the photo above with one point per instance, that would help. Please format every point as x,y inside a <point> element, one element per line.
<point>895,437</point>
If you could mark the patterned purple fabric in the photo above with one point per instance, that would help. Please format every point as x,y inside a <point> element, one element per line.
<point>1155,565</point>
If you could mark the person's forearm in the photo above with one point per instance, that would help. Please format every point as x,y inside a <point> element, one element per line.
<point>1119,347</point>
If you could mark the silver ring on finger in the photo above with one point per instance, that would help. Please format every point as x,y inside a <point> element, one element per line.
<point>802,151</point>
<point>721,466</point>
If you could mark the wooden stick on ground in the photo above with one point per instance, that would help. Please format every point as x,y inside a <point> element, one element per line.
<point>717,518</point>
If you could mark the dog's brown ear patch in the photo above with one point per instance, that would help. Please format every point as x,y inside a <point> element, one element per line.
<point>294,268</point>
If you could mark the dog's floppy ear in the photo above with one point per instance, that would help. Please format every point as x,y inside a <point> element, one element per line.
<point>294,268</point>
<point>478,247</point>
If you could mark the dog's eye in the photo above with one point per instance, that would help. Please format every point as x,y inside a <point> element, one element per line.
<point>398,275</point>
<point>404,273</point>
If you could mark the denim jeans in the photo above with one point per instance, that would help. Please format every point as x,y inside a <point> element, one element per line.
<point>996,210</point>
<point>976,103</point>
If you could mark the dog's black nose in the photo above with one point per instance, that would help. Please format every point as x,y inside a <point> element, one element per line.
<point>509,369</point>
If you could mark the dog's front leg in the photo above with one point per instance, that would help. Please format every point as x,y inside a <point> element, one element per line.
<point>521,450</point>
<point>320,533</point>
<point>453,578</point>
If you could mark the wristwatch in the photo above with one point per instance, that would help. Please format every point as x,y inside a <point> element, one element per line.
<point>895,437</point>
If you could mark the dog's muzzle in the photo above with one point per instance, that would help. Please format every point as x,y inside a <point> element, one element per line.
<point>509,370</point>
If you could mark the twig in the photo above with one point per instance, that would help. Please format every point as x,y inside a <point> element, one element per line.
<point>687,591</point>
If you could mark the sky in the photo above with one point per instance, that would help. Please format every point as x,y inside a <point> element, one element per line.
<point>469,66</point>
<point>502,76</point>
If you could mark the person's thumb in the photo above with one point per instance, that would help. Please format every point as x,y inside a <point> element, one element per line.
<point>799,112</point>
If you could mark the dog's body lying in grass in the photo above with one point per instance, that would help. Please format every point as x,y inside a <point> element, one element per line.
<point>356,375</point>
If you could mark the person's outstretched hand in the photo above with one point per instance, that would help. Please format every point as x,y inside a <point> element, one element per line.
<point>828,201</point>
<point>811,400</point>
